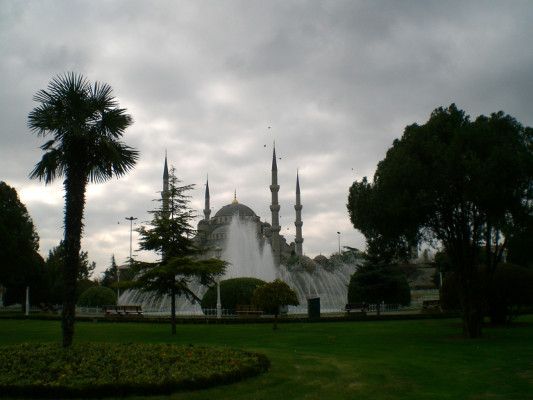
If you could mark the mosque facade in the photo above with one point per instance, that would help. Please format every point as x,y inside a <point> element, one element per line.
<point>212,231</point>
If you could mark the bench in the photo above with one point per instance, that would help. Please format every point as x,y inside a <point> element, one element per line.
<point>357,307</point>
<point>247,311</point>
<point>431,305</point>
<point>46,307</point>
<point>123,310</point>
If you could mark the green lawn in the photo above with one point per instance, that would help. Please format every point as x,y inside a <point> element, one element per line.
<point>347,360</point>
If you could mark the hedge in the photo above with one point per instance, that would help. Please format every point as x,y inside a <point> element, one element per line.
<point>117,369</point>
<point>97,296</point>
<point>233,292</point>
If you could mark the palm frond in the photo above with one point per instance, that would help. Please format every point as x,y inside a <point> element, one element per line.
<point>113,122</point>
<point>48,145</point>
<point>49,167</point>
<point>110,157</point>
<point>102,96</point>
<point>85,123</point>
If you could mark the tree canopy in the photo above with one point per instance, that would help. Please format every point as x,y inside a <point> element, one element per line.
<point>53,273</point>
<point>273,295</point>
<point>463,184</point>
<point>20,264</point>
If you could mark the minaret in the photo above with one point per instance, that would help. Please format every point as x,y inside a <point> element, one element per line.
<point>165,192</point>
<point>207,210</point>
<point>298,223</point>
<point>274,208</point>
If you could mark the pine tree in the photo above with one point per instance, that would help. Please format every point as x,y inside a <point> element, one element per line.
<point>110,275</point>
<point>170,234</point>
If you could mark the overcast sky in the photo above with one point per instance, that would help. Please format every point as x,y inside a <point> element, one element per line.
<point>336,81</point>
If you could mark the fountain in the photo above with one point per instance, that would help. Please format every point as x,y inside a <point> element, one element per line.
<point>250,256</point>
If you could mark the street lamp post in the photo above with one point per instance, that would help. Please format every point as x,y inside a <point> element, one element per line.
<point>339,238</point>
<point>218,252</point>
<point>131,219</point>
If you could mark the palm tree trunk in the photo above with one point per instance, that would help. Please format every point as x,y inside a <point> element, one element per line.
<point>471,301</point>
<point>173,311</point>
<point>75,185</point>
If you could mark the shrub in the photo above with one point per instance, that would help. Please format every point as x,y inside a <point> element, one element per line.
<point>97,296</point>
<point>373,284</point>
<point>232,293</point>
<point>273,295</point>
<point>307,264</point>
<point>509,290</point>
<point>322,261</point>
<point>449,293</point>
<point>117,369</point>
<point>512,286</point>
<point>83,285</point>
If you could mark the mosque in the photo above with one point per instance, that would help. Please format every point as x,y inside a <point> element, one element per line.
<point>212,231</point>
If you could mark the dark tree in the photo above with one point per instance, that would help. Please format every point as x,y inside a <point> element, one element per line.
<point>520,245</point>
<point>466,185</point>
<point>20,264</point>
<point>375,284</point>
<point>272,296</point>
<point>54,267</point>
<point>173,278</point>
<point>84,125</point>
<point>511,287</point>
<point>110,275</point>
<point>170,234</point>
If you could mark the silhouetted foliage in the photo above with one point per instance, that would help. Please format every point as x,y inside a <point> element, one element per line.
<point>110,275</point>
<point>53,274</point>
<point>466,185</point>
<point>509,290</point>
<point>20,264</point>
<point>375,284</point>
<point>520,245</point>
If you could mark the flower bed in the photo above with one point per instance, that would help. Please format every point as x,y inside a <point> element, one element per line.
<point>116,369</point>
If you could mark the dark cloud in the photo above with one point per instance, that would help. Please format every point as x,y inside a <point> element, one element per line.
<point>336,81</point>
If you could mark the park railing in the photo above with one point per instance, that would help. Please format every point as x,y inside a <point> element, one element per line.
<point>384,307</point>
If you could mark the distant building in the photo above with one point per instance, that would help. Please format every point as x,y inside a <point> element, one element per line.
<point>213,231</point>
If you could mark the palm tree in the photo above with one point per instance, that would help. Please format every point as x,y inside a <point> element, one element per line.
<point>84,124</point>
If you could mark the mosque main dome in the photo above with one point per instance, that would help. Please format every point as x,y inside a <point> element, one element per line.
<point>226,213</point>
<point>230,210</point>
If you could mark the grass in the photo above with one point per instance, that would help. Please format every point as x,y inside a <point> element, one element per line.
<point>425,359</point>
